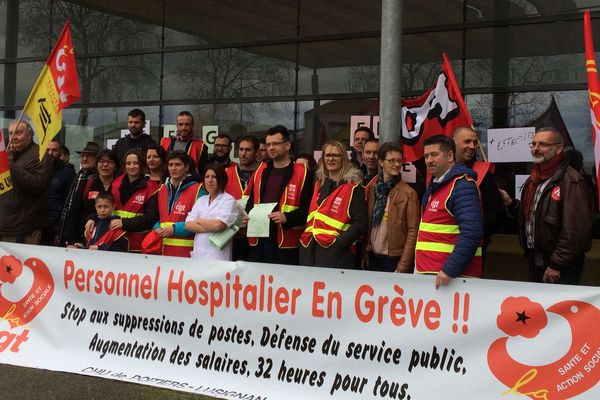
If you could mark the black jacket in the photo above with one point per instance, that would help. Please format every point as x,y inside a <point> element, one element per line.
<point>59,188</point>
<point>563,219</point>
<point>128,142</point>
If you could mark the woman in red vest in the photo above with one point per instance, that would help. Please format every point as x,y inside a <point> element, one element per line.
<point>135,200</point>
<point>337,215</point>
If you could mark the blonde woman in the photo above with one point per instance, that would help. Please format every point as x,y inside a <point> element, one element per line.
<point>337,215</point>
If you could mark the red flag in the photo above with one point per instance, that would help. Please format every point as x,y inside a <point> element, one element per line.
<point>5,181</point>
<point>440,110</point>
<point>593,88</point>
<point>56,88</point>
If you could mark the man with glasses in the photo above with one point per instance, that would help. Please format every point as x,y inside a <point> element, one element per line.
<point>451,229</point>
<point>555,213</point>
<point>23,208</point>
<point>222,149</point>
<point>288,184</point>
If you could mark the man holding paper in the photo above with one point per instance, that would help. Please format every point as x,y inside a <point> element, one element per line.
<point>286,189</point>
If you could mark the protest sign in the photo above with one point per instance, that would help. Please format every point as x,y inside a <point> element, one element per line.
<point>509,144</point>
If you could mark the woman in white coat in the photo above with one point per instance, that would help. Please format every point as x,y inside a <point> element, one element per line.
<point>212,213</point>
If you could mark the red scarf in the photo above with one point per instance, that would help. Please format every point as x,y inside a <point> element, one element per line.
<point>538,174</point>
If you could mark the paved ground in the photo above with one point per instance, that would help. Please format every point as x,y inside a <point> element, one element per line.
<point>18,383</point>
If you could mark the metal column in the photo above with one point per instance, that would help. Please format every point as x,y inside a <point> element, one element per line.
<point>390,80</point>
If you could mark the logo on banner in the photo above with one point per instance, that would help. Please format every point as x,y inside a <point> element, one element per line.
<point>575,372</point>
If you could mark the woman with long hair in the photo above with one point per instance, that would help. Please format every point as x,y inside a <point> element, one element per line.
<point>156,163</point>
<point>212,213</point>
<point>337,216</point>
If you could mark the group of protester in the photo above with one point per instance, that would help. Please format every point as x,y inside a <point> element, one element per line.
<point>173,199</point>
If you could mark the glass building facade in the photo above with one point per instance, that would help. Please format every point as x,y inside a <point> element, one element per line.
<point>307,64</point>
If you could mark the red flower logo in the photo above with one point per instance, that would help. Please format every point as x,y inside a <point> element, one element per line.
<point>520,316</point>
<point>10,269</point>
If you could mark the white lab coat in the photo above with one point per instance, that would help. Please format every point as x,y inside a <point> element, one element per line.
<point>225,209</point>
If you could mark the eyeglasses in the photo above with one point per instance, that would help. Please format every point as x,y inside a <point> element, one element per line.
<point>274,144</point>
<point>393,161</point>
<point>221,145</point>
<point>542,145</point>
<point>105,162</point>
<point>332,155</point>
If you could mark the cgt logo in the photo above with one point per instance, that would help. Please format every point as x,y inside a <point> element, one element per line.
<point>20,303</point>
<point>527,326</point>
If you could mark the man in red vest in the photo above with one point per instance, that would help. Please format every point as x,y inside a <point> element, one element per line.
<point>288,184</point>
<point>221,151</point>
<point>239,177</point>
<point>451,228</point>
<point>184,141</point>
<point>466,141</point>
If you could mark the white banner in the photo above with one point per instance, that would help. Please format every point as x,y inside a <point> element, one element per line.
<point>259,331</point>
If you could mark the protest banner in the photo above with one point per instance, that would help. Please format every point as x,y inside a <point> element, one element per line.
<point>261,331</point>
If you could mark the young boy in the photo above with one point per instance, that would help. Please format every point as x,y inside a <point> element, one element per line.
<point>102,237</point>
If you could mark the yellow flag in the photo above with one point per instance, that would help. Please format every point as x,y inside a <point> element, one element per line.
<point>56,88</point>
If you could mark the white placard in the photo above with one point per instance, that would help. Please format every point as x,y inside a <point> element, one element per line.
<point>510,144</point>
<point>519,182</point>
<point>370,121</point>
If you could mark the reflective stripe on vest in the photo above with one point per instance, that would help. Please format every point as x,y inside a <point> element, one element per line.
<point>326,221</point>
<point>126,214</point>
<point>173,241</point>
<point>438,233</point>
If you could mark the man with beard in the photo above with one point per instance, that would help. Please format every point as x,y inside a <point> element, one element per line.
<point>136,139</point>
<point>555,213</point>
<point>185,141</point>
<point>222,148</point>
<point>239,177</point>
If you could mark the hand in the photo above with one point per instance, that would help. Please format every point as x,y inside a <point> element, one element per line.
<point>89,227</point>
<point>165,232</point>
<point>278,217</point>
<point>116,224</point>
<point>400,269</point>
<point>441,279</point>
<point>93,247</point>
<point>551,275</point>
<point>506,199</point>
<point>245,219</point>
<point>364,263</point>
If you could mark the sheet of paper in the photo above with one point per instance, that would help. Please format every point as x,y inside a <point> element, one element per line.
<point>241,203</point>
<point>258,225</point>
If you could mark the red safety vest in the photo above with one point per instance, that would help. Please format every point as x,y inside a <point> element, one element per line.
<point>289,201</point>
<point>234,183</point>
<point>331,218</point>
<point>108,238</point>
<point>179,246</point>
<point>134,207</point>
<point>438,233</point>
<point>193,149</point>
<point>482,168</point>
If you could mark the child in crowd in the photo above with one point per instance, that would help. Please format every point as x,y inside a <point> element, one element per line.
<point>102,237</point>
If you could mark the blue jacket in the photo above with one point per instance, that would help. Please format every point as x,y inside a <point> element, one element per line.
<point>465,205</point>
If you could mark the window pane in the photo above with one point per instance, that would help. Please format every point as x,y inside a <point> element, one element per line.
<point>96,31</point>
<point>503,9</point>
<point>417,13</point>
<point>230,73</point>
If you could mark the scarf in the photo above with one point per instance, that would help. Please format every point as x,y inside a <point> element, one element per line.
<point>382,189</point>
<point>538,174</point>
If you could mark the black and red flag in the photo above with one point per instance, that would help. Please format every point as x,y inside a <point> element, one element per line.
<point>440,110</point>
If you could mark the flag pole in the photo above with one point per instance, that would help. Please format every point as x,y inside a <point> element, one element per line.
<point>479,144</point>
